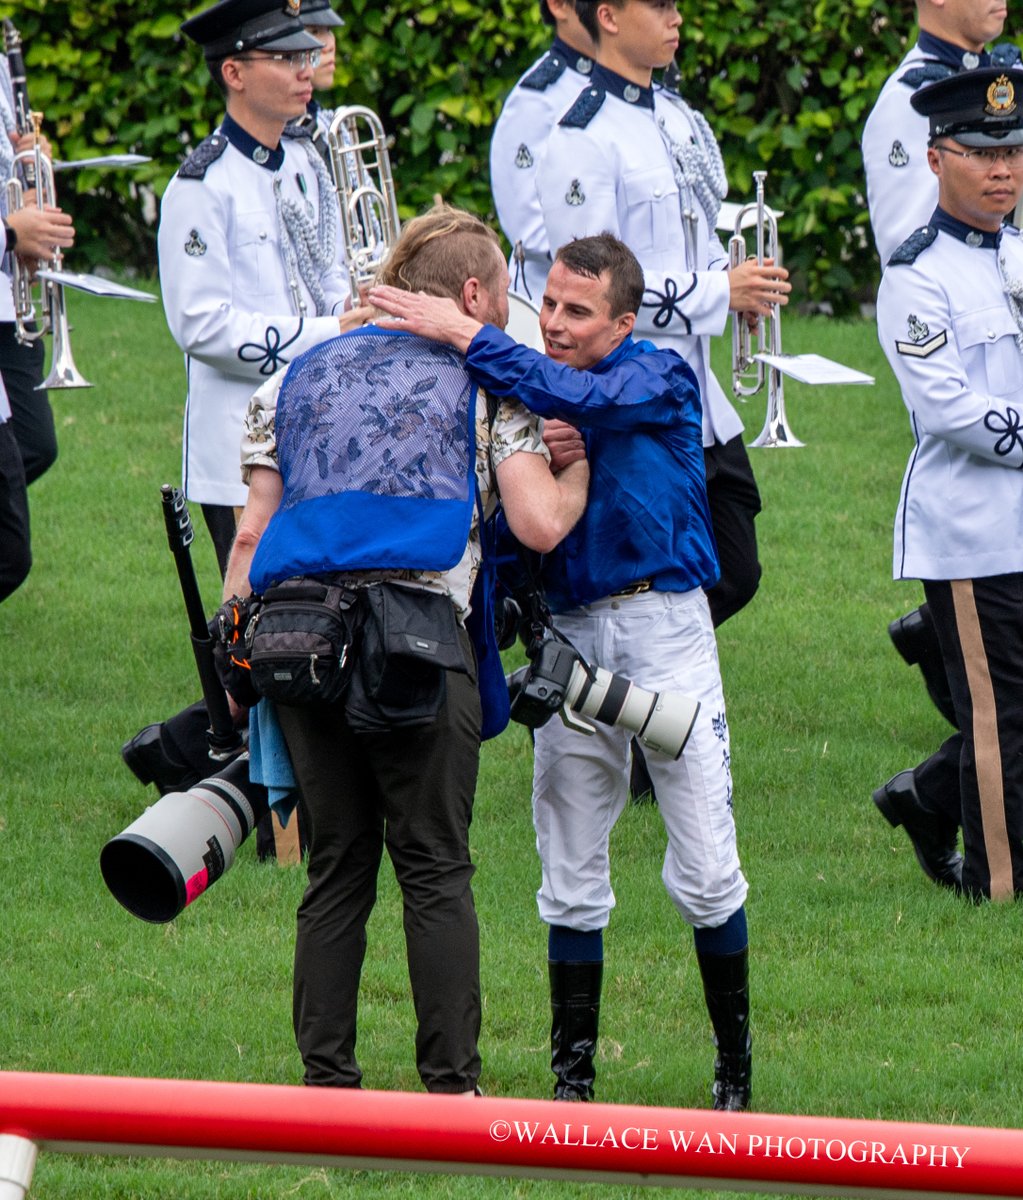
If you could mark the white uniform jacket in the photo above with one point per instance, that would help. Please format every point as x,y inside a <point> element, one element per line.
<point>228,301</point>
<point>609,166</point>
<point>520,138</point>
<point>901,188</point>
<point>954,344</point>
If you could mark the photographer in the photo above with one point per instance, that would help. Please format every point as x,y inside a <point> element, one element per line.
<point>628,585</point>
<point>372,461</point>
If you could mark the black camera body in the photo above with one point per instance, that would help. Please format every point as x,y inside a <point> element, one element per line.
<point>538,690</point>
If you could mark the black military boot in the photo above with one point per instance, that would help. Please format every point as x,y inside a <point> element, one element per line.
<point>916,640</point>
<point>575,1012</point>
<point>933,836</point>
<point>173,755</point>
<point>726,989</point>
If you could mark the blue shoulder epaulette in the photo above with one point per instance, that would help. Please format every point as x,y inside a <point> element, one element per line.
<point>585,108</point>
<point>1005,54</point>
<point>913,246</point>
<point>549,70</point>
<point>198,162</point>
<point>299,128</point>
<point>926,73</point>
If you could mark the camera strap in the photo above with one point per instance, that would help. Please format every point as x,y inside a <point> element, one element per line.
<point>537,611</point>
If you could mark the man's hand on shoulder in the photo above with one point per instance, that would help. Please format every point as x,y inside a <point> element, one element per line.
<point>434,317</point>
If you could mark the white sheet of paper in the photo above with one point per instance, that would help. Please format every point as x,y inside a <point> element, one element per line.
<point>729,211</point>
<point>96,285</point>
<point>813,368</point>
<point>103,160</point>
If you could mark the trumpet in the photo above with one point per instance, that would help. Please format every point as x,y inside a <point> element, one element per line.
<point>361,167</point>
<point>36,170</point>
<point>749,373</point>
<point>63,372</point>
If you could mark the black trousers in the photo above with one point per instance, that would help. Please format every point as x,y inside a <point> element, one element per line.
<point>221,523</point>
<point>980,629</point>
<point>15,544</point>
<point>734,503</point>
<point>22,369</point>
<point>412,791</point>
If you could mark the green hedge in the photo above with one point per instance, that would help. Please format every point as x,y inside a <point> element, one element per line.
<point>787,86</point>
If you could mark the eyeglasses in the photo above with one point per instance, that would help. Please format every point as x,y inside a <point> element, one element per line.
<point>984,160</point>
<point>297,60</point>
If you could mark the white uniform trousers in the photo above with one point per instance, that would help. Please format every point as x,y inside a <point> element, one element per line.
<point>662,641</point>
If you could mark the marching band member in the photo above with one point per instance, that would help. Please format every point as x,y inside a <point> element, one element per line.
<point>247,243</point>
<point>950,320</point>
<point>637,161</point>
<point>901,194</point>
<point>250,277</point>
<point>32,233</point>
<point>520,137</point>
<point>321,21</point>
<point>901,189</point>
<point>15,545</point>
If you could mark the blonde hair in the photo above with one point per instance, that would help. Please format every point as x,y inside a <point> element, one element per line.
<point>439,250</point>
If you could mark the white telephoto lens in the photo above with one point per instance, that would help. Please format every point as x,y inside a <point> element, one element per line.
<point>670,723</point>
<point>662,721</point>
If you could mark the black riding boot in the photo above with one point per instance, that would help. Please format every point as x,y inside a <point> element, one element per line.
<point>726,988</point>
<point>575,1010</point>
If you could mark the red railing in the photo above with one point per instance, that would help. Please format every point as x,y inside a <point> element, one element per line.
<point>409,1131</point>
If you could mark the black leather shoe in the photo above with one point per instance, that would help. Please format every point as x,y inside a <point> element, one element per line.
<point>147,758</point>
<point>934,838</point>
<point>915,639</point>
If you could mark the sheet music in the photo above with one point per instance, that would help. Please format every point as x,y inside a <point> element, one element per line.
<point>813,368</point>
<point>103,160</point>
<point>96,285</point>
<point>729,211</point>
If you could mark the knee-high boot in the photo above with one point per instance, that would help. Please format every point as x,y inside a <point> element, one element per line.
<point>575,1012</point>
<point>726,988</point>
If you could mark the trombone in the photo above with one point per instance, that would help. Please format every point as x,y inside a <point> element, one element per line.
<point>361,167</point>
<point>749,372</point>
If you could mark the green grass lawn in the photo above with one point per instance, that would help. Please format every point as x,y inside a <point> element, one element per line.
<point>875,994</point>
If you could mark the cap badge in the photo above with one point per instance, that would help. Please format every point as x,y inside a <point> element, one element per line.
<point>1001,98</point>
<point>293,7</point>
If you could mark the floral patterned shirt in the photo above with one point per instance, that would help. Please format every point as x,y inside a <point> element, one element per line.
<point>513,429</point>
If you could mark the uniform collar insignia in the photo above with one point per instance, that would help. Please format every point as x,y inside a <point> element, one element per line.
<point>247,145</point>
<point>578,61</point>
<point>624,89</point>
<point>950,54</point>
<point>977,238</point>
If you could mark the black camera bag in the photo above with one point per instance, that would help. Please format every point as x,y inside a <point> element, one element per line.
<point>409,639</point>
<point>227,630</point>
<point>302,642</point>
